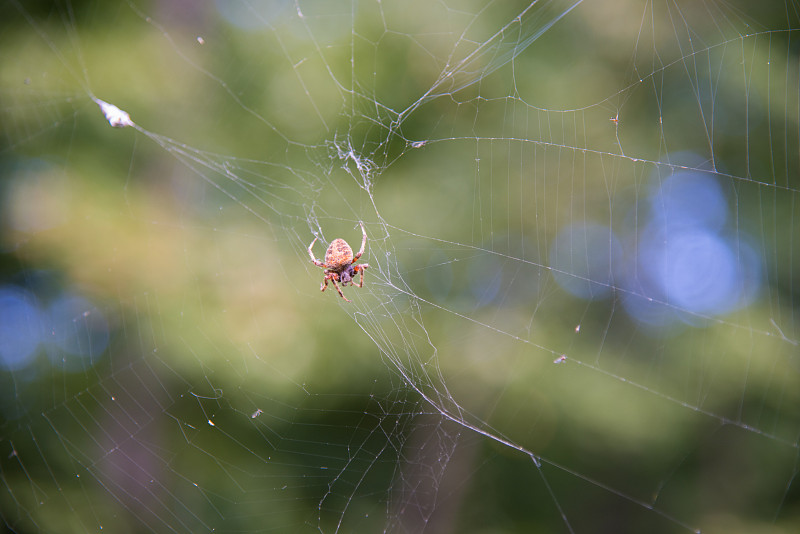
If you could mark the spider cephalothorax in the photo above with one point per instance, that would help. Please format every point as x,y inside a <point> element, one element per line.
<point>340,263</point>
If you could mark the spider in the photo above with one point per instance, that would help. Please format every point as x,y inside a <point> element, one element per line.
<point>340,264</point>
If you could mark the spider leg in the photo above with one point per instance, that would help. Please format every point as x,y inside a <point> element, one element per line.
<point>363,242</point>
<point>315,260</point>
<point>332,277</point>
<point>339,290</point>
<point>360,269</point>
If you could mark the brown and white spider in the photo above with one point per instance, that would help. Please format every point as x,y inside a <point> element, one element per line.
<point>340,264</point>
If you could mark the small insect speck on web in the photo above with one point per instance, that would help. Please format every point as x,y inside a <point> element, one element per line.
<point>418,144</point>
<point>115,116</point>
<point>256,413</point>
<point>560,359</point>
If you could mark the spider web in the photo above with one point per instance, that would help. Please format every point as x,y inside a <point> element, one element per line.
<point>579,314</point>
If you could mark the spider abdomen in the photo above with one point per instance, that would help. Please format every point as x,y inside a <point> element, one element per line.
<point>338,255</point>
